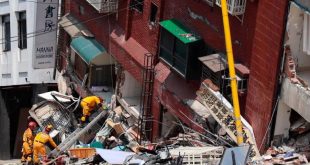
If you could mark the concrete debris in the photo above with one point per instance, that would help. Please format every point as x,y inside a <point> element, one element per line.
<point>111,137</point>
<point>222,112</point>
<point>284,155</point>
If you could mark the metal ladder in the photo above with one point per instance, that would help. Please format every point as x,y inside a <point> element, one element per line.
<point>145,122</point>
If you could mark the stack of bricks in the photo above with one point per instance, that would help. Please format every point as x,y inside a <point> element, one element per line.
<point>290,67</point>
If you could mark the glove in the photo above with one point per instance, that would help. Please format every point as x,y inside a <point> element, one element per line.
<point>104,107</point>
<point>83,118</point>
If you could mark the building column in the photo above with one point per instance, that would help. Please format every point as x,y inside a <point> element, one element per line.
<point>282,121</point>
<point>38,89</point>
<point>4,130</point>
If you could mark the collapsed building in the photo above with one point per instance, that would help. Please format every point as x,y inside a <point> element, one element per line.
<point>168,73</point>
<point>152,57</point>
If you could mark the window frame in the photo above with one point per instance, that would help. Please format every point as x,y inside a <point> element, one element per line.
<point>175,59</point>
<point>153,16</point>
<point>22,30</point>
<point>6,32</point>
<point>137,5</point>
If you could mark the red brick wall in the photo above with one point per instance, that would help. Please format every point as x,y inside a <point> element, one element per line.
<point>263,21</point>
<point>141,31</point>
<point>242,34</point>
<point>265,59</point>
<point>102,25</point>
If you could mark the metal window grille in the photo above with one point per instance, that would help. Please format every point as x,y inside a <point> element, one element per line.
<point>137,5</point>
<point>104,6</point>
<point>234,7</point>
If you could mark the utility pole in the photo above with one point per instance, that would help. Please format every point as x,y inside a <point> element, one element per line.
<point>232,73</point>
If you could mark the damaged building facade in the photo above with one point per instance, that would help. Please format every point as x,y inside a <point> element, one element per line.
<point>294,98</point>
<point>165,61</point>
<point>28,49</point>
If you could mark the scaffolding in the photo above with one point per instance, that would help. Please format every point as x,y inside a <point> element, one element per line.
<point>146,118</point>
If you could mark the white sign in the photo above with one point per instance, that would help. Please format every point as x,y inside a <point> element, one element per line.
<point>45,39</point>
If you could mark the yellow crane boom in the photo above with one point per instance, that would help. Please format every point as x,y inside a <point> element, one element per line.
<point>232,73</point>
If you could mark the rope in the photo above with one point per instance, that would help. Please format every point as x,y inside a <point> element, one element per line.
<point>269,124</point>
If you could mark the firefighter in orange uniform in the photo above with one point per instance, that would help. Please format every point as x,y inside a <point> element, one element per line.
<point>28,137</point>
<point>39,144</point>
<point>89,104</point>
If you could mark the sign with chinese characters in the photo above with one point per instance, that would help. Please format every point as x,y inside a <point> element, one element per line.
<point>45,34</point>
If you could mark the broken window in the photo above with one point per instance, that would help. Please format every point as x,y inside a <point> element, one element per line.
<point>22,30</point>
<point>153,14</point>
<point>6,33</point>
<point>137,5</point>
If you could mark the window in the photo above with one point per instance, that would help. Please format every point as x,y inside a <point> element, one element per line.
<point>153,14</point>
<point>81,10</point>
<point>6,33</point>
<point>173,51</point>
<point>22,30</point>
<point>137,5</point>
<point>179,48</point>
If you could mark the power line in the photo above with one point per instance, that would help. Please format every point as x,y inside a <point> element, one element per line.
<point>37,33</point>
<point>57,3</point>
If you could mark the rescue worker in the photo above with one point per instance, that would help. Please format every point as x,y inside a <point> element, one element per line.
<point>28,138</point>
<point>39,144</point>
<point>89,104</point>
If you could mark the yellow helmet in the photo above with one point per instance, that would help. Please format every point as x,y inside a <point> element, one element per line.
<point>83,118</point>
<point>49,127</point>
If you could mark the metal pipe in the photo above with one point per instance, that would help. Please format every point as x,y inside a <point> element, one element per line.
<point>232,74</point>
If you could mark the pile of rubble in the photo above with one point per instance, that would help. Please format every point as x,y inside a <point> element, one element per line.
<point>117,143</point>
<point>112,137</point>
<point>284,155</point>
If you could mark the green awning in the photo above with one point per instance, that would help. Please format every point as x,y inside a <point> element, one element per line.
<point>89,49</point>
<point>179,31</point>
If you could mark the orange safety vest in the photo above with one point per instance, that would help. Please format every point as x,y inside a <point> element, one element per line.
<point>43,138</point>
<point>28,137</point>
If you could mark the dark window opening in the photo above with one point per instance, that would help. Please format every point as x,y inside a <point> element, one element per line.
<point>22,30</point>
<point>153,13</point>
<point>6,33</point>
<point>80,67</point>
<point>81,10</point>
<point>173,51</point>
<point>137,5</point>
<point>179,48</point>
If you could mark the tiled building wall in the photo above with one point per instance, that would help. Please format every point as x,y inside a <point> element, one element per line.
<point>208,24</point>
<point>265,61</point>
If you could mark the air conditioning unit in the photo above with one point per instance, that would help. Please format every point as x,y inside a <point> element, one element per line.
<point>234,7</point>
<point>104,6</point>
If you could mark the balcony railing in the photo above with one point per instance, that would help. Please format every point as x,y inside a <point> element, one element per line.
<point>104,6</point>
